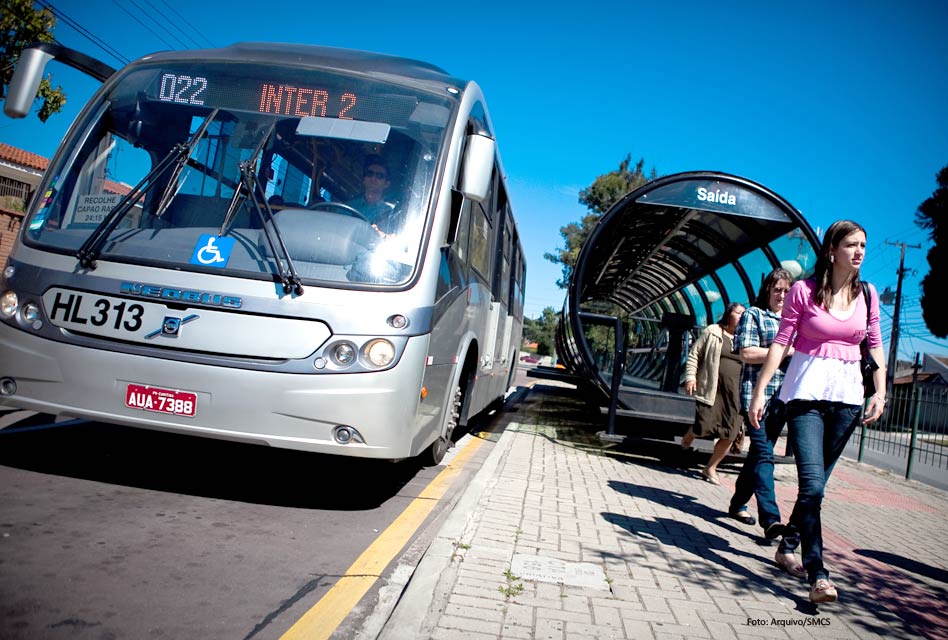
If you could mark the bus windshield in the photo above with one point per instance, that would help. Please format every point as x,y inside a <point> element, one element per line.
<point>248,170</point>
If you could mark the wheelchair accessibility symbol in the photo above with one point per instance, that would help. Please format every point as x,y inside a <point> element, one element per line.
<point>212,251</point>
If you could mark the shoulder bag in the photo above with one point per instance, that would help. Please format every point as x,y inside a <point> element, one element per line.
<point>867,363</point>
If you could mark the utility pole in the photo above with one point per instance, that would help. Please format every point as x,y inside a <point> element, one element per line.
<point>894,343</point>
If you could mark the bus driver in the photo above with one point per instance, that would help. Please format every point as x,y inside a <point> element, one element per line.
<point>372,203</point>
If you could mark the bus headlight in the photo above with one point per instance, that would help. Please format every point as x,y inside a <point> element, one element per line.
<point>342,354</point>
<point>379,353</point>
<point>9,303</point>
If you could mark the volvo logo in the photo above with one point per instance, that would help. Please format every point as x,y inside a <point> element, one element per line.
<point>171,327</point>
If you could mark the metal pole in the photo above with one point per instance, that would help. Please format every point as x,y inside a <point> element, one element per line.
<point>894,341</point>
<point>862,435</point>
<point>618,362</point>
<point>916,401</point>
<point>618,368</point>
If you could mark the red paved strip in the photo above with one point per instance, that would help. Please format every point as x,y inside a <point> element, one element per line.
<point>920,609</point>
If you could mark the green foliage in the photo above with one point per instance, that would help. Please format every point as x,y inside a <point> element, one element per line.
<point>611,187</point>
<point>933,216</point>
<point>22,25</point>
<point>12,203</point>
<point>604,192</point>
<point>511,589</point>
<point>541,330</point>
<point>53,99</point>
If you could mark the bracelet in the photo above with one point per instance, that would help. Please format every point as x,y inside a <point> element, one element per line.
<point>876,395</point>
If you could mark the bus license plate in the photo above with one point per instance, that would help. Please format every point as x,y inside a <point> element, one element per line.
<point>179,403</point>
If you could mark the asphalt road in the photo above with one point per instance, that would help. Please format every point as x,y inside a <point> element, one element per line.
<point>111,532</point>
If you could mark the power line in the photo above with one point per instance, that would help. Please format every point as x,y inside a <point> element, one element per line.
<point>94,39</point>
<point>154,15</point>
<point>189,25</point>
<point>91,37</point>
<point>149,29</point>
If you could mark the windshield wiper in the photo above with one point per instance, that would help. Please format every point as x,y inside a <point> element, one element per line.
<point>89,251</point>
<point>174,186</point>
<point>239,196</point>
<point>289,278</point>
<point>291,281</point>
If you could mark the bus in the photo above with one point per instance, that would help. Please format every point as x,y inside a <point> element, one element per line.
<point>238,284</point>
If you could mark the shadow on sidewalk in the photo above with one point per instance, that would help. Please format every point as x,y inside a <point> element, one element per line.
<point>876,596</point>
<point>883,579</point>
<point>862,586</point>
<point>709,547</point>
<point>912,566</point>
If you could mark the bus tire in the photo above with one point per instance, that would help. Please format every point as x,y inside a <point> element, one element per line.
<point>435,453</point>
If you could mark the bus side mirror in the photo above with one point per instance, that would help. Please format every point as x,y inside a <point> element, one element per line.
<point>25,83</point>
<point>30,66</point>
<point>478,167</point>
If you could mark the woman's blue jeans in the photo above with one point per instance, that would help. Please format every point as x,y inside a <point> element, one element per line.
<point>818,433</point>
<point>757,474</point>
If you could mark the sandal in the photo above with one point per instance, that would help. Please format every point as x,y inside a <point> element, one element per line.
<point>788,562</point>
<point>710,477</point>
<point>823,591</point>
<point>742,516</point>
<point>775,530</point>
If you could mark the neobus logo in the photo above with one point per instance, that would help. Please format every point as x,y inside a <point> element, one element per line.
<point>180,295</point>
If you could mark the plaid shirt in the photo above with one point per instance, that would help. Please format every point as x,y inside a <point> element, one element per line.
<point>757,328</point>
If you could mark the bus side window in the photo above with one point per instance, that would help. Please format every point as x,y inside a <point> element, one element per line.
<point>502,224</point>
<point>480,241</point>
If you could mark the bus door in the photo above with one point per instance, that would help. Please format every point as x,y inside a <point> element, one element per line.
<point>502,293</point>
<point>500,328</point>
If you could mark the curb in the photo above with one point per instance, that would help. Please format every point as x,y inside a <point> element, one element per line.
<point>431,582</point>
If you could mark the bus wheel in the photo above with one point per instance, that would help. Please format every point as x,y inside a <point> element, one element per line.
<point>435,453</point>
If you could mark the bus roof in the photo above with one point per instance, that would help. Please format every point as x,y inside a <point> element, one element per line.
<point>319,57</point>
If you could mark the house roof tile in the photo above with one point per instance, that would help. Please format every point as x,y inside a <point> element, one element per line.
<point>14,155</point>
<point>21,157</point>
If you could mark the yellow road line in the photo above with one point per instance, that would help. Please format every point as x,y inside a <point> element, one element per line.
<point>329,612</point>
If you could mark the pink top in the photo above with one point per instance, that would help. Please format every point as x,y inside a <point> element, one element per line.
<point>819,333</point>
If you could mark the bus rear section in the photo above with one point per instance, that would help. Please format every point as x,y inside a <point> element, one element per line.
<point>249,243</point>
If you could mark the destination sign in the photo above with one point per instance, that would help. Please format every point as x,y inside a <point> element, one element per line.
<point>295,95</point>
<point>268,97</point>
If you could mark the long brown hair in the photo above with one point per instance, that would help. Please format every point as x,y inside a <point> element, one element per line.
<point>823,291</point>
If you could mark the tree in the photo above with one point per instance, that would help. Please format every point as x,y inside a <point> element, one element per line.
<point>541,330</point>
<point>604,192</point>
<point>933,216</point>
<point>21,25</point>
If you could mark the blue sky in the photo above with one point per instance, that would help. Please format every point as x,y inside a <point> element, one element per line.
<point>839,107</point>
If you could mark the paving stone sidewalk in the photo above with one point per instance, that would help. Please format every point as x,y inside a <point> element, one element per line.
<point>561,537</point>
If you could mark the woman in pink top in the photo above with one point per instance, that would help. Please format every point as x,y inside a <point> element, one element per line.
<point>824,319</point>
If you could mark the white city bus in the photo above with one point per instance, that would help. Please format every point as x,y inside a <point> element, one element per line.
<point>242,287</point>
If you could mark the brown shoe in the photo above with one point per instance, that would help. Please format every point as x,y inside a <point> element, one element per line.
<point>823,591</point>
<point>788,562</point>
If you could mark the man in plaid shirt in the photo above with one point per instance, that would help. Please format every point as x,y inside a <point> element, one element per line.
<point>755,332</point>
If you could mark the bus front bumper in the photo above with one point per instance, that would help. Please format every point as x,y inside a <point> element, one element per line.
<point>293,411</point>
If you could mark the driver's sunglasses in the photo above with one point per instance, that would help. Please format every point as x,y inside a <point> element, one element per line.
<point>381,175</point>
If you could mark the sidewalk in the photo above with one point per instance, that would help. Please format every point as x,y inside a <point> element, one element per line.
<point>558,537</point>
